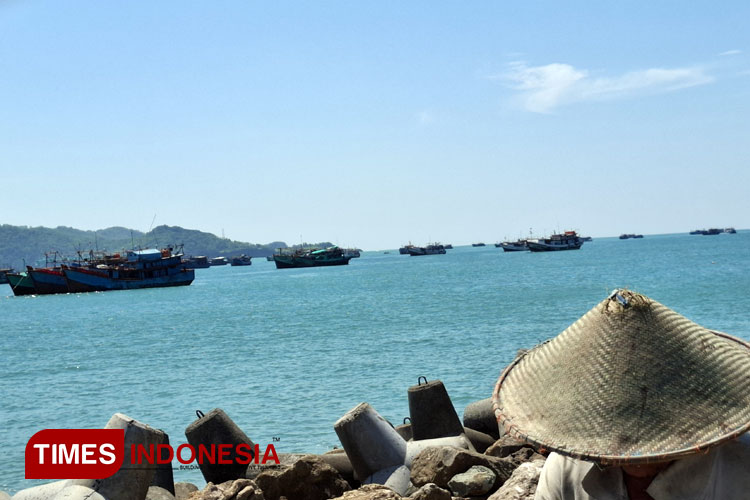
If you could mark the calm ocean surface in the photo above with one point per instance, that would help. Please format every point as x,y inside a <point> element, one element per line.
<point>287,352</point>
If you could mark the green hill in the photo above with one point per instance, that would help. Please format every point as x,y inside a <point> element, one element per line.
<point>19,244</point>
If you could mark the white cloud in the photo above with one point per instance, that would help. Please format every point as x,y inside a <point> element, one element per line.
<point>731,52</point>
<point>544,88</point>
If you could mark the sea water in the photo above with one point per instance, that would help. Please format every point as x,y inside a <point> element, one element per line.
<point>287,352</point>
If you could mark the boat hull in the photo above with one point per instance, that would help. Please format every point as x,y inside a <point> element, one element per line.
<point>21,284</point>
<point>283,262</point>
<point>90,280</point>
<point>543,247</point>
<point>48,281</point>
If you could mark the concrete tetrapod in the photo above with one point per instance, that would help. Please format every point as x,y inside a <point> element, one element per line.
<point>431,411</point>
<point>131,482</point>
<point>378,453</point>
<point>216,428</point>
<point>370,441</point>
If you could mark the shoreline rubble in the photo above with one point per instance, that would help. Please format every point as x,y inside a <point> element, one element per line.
<point>436,456</point>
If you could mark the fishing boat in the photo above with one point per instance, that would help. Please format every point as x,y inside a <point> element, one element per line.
<point>331,256</point>
<point>630,235</point>
<point>404,250</point>
<point>513,246</point>
<point>569,240</point>
<point>218,261</point>
<point>431,249</point>
<point>242,260</point>
<point>149,268</point>
<point>477,244</point>
<point>353,253</point>
<point>196,262</point>
<point>21,283</point>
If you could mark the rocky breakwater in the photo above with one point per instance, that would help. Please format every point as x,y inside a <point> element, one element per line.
<point>435,456</point>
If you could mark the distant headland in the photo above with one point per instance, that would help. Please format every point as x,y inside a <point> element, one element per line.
<point>21,245</point>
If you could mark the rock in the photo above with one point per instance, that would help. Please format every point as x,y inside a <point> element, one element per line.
<point>308,478</point>
<point>43,491</point>
<point>505,446</point>
<point>158,493</point>
<point>439,465</point>
<point>522,483</point>
<point>431,491</point>
<point>239,489</point>
<point>476,481</point>
<point>371,492</point>
<point>524,455</point>
<point>480,416</point>
<point>4,496</point>
<point>183,490</point>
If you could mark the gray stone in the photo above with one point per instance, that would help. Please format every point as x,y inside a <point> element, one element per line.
<point>158,493</point>
<point>476,481</point>
<point>431,491</point>
<point>4,496</point>
<point>78,492</point>
<point>371,492</point>
<point>522,484</point>
<point>183,490</point>
<point>308,478</point>
<point>480,416</point>
<point>439,465</point>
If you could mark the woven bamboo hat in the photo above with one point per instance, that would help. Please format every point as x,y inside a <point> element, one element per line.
<point>630,382</point>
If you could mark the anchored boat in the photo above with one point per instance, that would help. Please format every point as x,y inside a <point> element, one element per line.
<point>331,256</point>
<point>569,240</point>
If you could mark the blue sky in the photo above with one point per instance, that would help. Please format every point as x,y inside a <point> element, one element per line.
<point>375,124</point>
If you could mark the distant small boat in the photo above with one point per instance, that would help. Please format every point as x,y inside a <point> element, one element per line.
<point>569,240</point>
<point>730,230</point>
<point>352,253</point>
<point>432,249</point>
<point>586,238</point>
<point>197,262</point>
<point>514,246</point>
<point>629,236</point>
<point>219,261</point>
<point>404,250</point>
<point>331,256</point>
<point>269,258</point>
<point>477,244</point>
<point>242,260</point>
<point>448,246</point>
<point>708,232</point>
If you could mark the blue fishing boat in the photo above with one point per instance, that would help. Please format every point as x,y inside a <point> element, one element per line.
<point>150,268</point>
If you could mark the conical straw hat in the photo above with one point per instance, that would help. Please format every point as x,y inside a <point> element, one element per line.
<point>630,382</point>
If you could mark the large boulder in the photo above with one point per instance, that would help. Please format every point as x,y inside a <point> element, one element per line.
<point>308,478</point>
<point>439,465</point>
<point>476,481</point>
<point>371,492</point>
<point>522,483</point>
